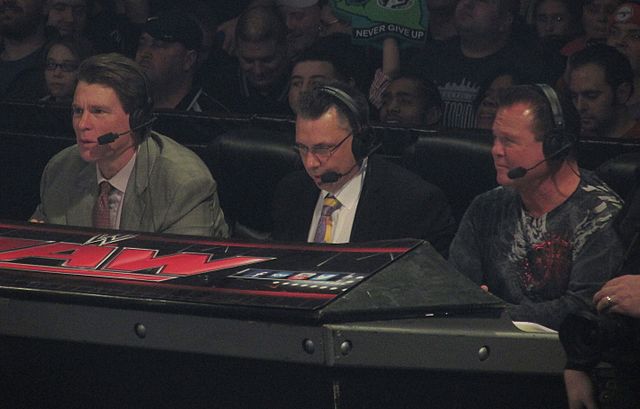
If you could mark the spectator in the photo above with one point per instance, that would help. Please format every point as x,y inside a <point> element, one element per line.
<point>120,174</point>
<point>411,100</point>
<point>258,83</point>
<point>482,49</point>
<point>369,198</point>
<point>441,19</point>
<point>335,39</point>
<point>623,34</point>
<point>315,67</point>
<point>595,23</point>
<point>63,57</point>
<point>544,240</point>
<point>556,19</point>
<point>68,17</point>
<point>22,51</point>
<point>486,100</point>
<point>168,53</point>
<point>556,22</point>
<point>110,25</point>
<point>600,84</point>
<point>114,25</point>
<point>302,18</point>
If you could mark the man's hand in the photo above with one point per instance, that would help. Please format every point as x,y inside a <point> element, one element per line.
<point>620,295</point>
<point>228,29</point>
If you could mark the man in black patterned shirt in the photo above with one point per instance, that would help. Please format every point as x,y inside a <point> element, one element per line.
<point>543,241</point>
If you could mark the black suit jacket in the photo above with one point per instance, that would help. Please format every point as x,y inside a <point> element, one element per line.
<point>394,203</point>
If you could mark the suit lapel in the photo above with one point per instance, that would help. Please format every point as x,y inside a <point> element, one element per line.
<point>135,206</point>
<point>81,200</point>
<point>301,219</point>
<point>371,206</point>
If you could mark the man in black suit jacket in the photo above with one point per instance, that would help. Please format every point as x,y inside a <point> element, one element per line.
<point>379,200</point>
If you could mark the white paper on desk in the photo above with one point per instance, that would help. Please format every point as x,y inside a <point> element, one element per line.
<point>532,327</point>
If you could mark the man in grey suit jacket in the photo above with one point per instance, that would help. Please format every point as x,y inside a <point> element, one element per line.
<point>156,185</point>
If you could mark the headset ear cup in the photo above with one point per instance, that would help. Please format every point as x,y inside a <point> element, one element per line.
<point>135,118</point>
<point>140,117</point>
<point>356,147</point>
<point>363,143</point>
<point>555,142</point>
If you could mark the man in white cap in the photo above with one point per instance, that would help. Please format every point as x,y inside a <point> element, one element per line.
<point>303,22</point>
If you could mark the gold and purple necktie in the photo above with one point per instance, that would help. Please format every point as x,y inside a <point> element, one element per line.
<point>324,232</point>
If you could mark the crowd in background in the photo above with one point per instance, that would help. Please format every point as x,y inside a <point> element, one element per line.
<point>255,57</point>
<point>260,56</point>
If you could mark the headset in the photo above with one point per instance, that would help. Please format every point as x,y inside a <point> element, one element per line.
<point>557,143</point>
<point>140,119</point>
<point>364,139</point>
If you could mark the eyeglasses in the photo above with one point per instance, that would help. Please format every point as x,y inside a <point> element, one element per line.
<point>64,66</point>
<point>322,152</point>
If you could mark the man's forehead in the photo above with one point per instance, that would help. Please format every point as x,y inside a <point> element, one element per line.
<point>403,86</point>
<point>517,110</point>
<point>324,128</point>
<point>314,68</point>
<point>588,73</point>
<point>257,49</point>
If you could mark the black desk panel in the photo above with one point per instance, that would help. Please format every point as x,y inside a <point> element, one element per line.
<point>85,311</point>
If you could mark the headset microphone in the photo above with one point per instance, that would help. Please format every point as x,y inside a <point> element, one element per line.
<point>333,177</point>
<point>517,173</point>
<point>112,136</point>
<point>330,177</point>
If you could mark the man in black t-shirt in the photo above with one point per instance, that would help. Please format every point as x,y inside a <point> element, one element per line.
<point>484,46</point>
<point>22,40</point>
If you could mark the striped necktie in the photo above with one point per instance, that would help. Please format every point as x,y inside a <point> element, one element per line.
<point>101,212</point>
<point>324,232</point>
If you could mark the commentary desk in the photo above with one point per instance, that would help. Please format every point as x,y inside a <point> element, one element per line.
<point>104,319</point>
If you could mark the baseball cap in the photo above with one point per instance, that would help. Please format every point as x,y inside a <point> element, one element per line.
<point>175,27</point>
<point>626,13</point>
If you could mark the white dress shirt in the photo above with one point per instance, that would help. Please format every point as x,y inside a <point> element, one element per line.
<point>348,196</point>
<point>119,183</point>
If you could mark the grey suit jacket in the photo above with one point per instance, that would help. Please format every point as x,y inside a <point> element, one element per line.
<point>170,190</point>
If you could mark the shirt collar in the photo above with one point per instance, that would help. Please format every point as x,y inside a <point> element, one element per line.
<point>120,179</point>
<point>349,194</point>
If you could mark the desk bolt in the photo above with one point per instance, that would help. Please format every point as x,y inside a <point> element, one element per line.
<point>308,346</point>
<point>483,353</point>
<point>141,330</point>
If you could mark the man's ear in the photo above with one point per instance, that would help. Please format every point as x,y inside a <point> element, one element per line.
<point>190,60</point>
<point>623,93</point>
